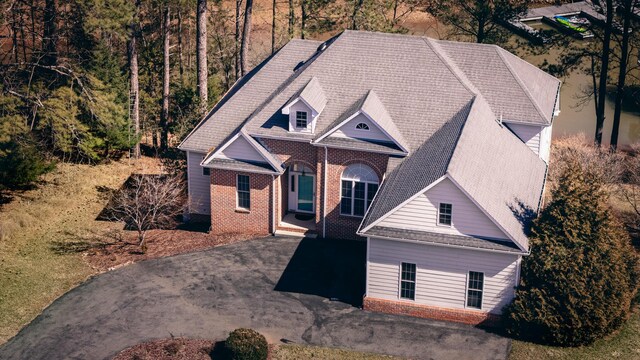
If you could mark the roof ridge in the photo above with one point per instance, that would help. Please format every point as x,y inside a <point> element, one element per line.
<point>522,85</point>
<point>450,65</point>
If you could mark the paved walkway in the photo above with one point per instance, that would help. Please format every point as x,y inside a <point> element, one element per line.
<point>301,291</point>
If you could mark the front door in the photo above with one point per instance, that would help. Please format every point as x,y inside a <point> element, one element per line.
<point>305,193</point>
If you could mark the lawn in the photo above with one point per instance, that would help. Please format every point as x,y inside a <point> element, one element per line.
<point>34,268</point>
<point>625,344</point>
<point>295,352</point>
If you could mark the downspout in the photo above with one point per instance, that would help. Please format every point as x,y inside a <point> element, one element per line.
<point>273,204</point>
<point>324,195</point>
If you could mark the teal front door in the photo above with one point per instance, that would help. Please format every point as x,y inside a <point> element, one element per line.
<point>305,193</point>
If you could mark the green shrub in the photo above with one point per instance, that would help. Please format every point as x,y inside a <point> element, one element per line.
<point>21,162</point>
<point>579,281</point>
<point>247,344</point>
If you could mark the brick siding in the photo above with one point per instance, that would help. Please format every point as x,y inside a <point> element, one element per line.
<point>430,312</point>
<point>225,218</point>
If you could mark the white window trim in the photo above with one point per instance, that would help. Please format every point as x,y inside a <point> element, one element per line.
<point>366,196</point>
<point>438,216</point>
<point>238,207</point>
<point>415,290</point>
<point>466,290</point>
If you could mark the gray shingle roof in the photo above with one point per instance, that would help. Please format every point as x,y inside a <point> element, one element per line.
<point>247,95</point>
<point>248,166</point>
<point>444,239</point>
<point>515,89</point>
<point>363,145</point>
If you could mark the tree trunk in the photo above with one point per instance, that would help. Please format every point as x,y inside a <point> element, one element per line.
<point>303,18</point>
<point>237,38</point>
<point>134,91</point>
<point>201,49</point>
<point>14,34</point>
<point>180,57</point>
<point>246,35</point>
<point>292,19</point>
<point>273,27</point>
<point>33,29</point>
<point>622,74</point>
<point>50,34</point>
<point>164,115</point>
<point>356,9</point>
<point>604,68</point>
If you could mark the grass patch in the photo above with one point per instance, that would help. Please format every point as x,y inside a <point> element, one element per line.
<point>295,352</point>
<point>43,231</point>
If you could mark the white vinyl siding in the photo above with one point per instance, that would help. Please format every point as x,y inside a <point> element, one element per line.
<point>442,273</point>
<point>199,185</point>
<point>530,134</point>
<point>241,149</point>
<point>545,143</point>
<point>422,214</point>
<point>348,130</point>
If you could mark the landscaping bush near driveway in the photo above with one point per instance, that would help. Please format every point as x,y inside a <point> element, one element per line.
<point>247,344</point>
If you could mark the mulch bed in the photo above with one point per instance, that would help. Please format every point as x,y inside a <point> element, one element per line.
<point>169,349</point>
<point>178,349</point>
<point>124,248</point>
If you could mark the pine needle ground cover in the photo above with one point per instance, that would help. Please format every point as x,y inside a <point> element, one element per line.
<point>35,265</point>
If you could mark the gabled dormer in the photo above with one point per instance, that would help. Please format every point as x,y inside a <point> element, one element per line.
<point>305,107</point>
<point>369,122</point>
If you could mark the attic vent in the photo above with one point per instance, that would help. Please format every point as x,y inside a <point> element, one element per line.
<point>322,47</point>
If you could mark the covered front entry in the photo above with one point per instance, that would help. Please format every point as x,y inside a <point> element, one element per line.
<point>302,188</point>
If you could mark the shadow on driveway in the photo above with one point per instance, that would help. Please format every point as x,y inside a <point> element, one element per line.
<point>333,269</point>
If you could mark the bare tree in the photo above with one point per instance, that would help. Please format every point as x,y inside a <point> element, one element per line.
<point>148,202</point>
<point>273,27</point>
<point>246,35</point>
<point>134,90</point>
<point>50,33</point>
<point>237,37</point>
<point>201,49</point>
<point>292,19</point>
<point>604,69</point>
<point>166,79</point>
<point>627,12</point>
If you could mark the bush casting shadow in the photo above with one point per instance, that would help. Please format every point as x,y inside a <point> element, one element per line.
<point>334,269</point>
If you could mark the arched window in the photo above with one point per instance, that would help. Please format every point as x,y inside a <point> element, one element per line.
<point>362,126</point>
<point>359,185</point>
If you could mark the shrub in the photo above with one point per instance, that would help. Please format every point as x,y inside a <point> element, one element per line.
<point>21,162</point>
<point>578,283</point>
<point>247,344</point>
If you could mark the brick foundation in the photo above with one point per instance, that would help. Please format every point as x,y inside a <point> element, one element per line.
<point>430,312</point>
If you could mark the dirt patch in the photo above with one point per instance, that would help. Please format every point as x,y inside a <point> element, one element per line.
<point>165,349</point>
<point>125,249</point>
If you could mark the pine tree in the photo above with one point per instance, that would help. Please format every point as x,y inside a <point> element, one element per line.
<point>578,283</point>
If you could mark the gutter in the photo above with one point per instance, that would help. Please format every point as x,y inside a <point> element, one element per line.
<point>324,194</point>
<point>273,204</point>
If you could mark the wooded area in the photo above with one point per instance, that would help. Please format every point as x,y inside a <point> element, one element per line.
<point>88,80</point>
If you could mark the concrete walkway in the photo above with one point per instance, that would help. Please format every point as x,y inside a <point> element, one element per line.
<point>282,287</point>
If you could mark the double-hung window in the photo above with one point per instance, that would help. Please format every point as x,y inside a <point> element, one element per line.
<point>408,281</point>
<point>301,119</point>
<point>445,212</point>
<point>244,195</point>
<point>359,184</point>
<point>475,288</point>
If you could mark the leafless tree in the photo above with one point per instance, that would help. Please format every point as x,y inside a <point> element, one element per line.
<point>148,202</point>
<point>246,35</point>
<point>201,49</point>
<point>166,79</point>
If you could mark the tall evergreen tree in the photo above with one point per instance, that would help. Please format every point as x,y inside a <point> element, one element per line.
<point>579,281</point>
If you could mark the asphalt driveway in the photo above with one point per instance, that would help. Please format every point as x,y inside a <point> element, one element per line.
<point>305,291</point>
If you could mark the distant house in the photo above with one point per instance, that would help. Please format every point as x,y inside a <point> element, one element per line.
<point>435,152</point>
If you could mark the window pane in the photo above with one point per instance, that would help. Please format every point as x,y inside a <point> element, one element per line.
<point>206,171</point>
<point>371,192</point>
<point>408,290</point>
<point>474,299</point>
<point>301,119</point>
<point>408,271</point>
<point>358,198</point>
<point>244,200</point>
<point>243,183</point>
<point>345,202</point>
<point>444,216</point>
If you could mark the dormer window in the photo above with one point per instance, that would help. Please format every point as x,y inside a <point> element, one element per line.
<point>362,126</point>
<point>301,119</point>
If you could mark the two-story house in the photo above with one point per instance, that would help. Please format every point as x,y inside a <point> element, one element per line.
<point>434,152</point>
